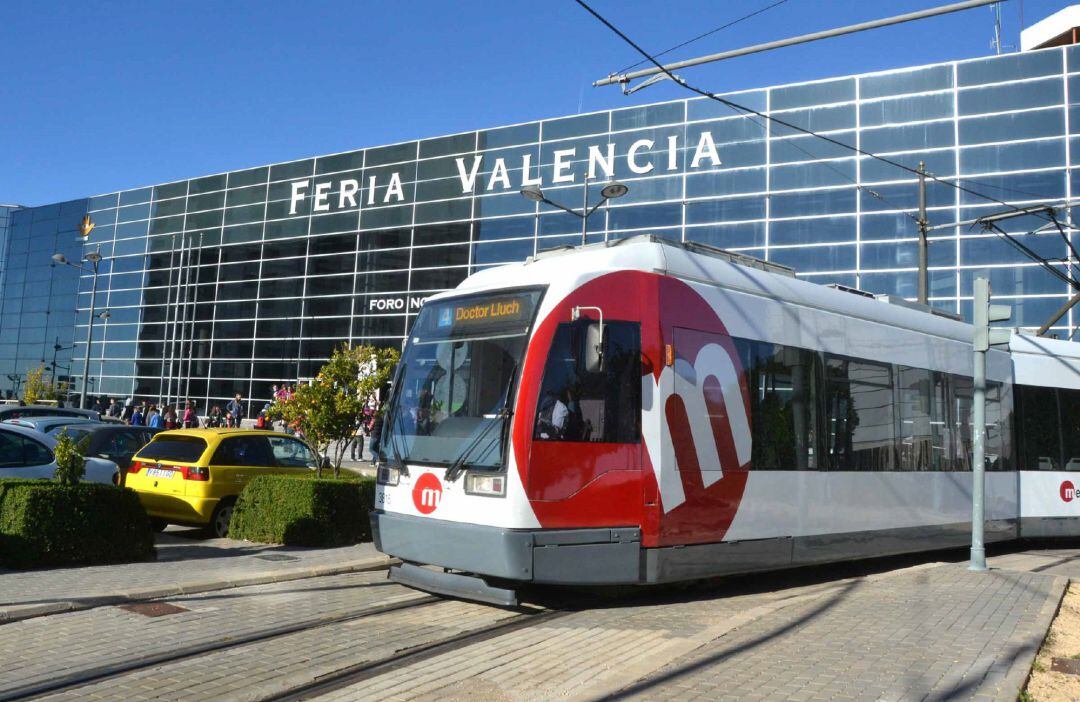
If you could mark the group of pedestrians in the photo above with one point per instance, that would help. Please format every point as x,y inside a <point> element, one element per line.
<point>186,416</point>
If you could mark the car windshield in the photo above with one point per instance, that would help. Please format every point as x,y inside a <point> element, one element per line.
<point>68,430</point>
<point>456,378</point>
<point>187,449</point>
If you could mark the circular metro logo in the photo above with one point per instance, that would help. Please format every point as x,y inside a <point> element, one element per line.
<point>426,493</point>
<point>1068,491</point>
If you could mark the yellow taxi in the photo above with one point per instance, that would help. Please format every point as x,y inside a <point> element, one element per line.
<point>193,476</point>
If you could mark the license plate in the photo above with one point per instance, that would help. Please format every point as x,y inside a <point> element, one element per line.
<point>159,473</point>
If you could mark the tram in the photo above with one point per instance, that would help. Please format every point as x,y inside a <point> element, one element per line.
<point>643,411</point>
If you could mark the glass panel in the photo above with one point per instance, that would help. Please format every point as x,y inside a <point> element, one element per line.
<point>898,83</point>
<point>1009,67</point>
<point>923,408</point>
<point>859,428</point>
<point>1019,96</point>
<point>840,90</point>
<point>456,375</point>
<point>1038,429</point>
<point>782,384</point>
<point>906,109</point>
<point>578,404</point>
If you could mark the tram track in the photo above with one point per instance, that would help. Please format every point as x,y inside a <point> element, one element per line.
<point>89,677</point>
<point>113,681</point>
<point>364,671</point>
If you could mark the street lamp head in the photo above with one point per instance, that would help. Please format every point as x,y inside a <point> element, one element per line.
<point>59,258</point>
<point>614,190</point>
<point>94,256</point>
<point>532,192</point>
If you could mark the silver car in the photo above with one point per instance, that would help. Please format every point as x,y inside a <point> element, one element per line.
<point>50,425</point>
<point>26,453</point>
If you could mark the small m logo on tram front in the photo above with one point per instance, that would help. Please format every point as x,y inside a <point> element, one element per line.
<point>427,493</point>
<point>1068,491</point>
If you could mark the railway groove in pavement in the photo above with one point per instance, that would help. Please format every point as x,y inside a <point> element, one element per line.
<point>87,677</point>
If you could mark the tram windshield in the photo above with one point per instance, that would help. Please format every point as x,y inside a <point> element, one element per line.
<point>456,381</point>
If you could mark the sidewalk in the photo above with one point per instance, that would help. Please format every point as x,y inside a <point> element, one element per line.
<point>185,565</point>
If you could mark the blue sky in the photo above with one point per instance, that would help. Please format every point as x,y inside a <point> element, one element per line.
<point>103,96</point>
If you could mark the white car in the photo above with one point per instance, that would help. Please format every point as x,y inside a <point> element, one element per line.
<point>25,453</point>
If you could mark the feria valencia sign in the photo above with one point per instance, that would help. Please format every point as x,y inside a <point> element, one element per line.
<point>643,157</point>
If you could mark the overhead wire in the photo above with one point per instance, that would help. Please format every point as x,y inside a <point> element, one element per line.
<point>1045,263</point>
<point>732,23</point>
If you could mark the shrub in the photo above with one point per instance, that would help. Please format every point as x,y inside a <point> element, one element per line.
<point>301,511</point>
<point>45,523</point>
<point>70,464</point>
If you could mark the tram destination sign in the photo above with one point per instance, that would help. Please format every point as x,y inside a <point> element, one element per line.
<point>479,173</point>
<point>455,317</point>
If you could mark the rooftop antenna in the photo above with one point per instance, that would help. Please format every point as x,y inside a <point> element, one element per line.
<point>995,43</point>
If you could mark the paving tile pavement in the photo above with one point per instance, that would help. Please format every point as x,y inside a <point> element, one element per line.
<point>944,633</point>
<point>183,566</point>
<point>69,645</point>
<point>928,632</point>
<point>258,670</point>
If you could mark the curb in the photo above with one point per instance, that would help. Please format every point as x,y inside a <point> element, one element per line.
<point>17,612</point>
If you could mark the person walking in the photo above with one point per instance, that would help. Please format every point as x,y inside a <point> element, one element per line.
<point>170,417</point>
<point>234,409</point>
<point>114,410</point>
<point>138,417</point>
<point>153,418</point>
<point>129,407</point>
<point>191,419</point>
<point>376,430</point>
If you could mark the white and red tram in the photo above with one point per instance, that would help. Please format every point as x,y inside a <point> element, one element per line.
<point>642,411</point>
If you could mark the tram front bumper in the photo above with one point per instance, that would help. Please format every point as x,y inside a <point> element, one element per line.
<point>553,556</point>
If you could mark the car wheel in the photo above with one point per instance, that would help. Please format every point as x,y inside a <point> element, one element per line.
<point>219,523</point>
<point>158,524</point>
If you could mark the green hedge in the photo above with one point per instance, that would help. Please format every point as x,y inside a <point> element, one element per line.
<point>43,523</point>
<point>300,511</point>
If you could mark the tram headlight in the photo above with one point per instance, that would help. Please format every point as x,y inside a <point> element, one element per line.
<point>485,484</point>
<point>388,476</point>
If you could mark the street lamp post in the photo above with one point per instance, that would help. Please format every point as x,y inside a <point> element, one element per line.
<point>94,259</point>
<point>611,191</point>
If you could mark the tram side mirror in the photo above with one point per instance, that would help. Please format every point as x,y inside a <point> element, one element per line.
<point>594,347</point>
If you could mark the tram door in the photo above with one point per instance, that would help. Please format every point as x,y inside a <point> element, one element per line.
<point>586,444</point>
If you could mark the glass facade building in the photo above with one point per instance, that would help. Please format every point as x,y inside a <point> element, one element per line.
<point>232,282</point>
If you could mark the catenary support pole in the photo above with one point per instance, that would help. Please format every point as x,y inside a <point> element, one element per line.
<point>983,337</point>
<point>978,438</point>
<point>924,275</point>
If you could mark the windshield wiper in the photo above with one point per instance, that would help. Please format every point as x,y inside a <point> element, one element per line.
<point>504,413</point>
<point>398,455</point>
<point>456,467</point>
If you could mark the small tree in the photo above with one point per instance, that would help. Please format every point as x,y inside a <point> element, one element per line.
<point>330,408</point>
<point>37,388</point>
<point>70,463</point>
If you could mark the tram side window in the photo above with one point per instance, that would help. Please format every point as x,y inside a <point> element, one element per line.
<point>1038,428</point>
<point>602,406</point>
<point>923,403</point>
<point>782,383</point>
<point>1070,427</point>
<point>859,415</point>
<point>962,399</point>
<point>998,424</point>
